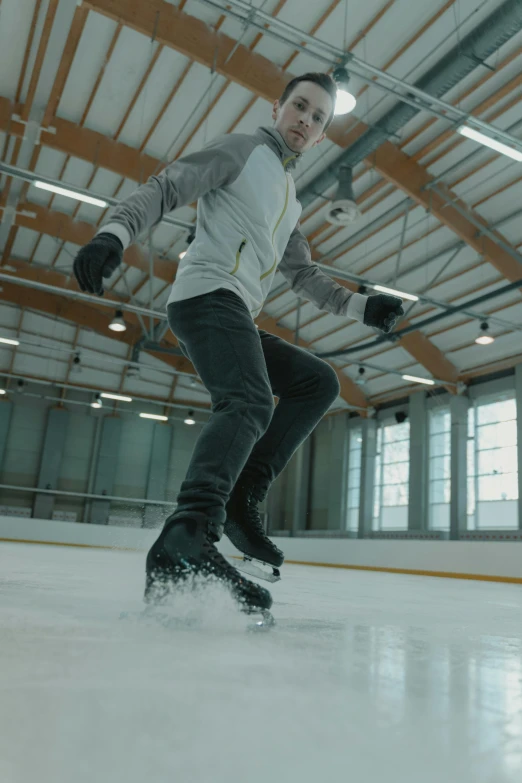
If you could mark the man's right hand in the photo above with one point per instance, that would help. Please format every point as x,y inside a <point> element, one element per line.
<point>96,260</point>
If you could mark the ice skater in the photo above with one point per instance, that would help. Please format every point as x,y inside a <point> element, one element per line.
<point>247,228</point>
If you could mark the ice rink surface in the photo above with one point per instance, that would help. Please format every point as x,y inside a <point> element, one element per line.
<point>366,677</point>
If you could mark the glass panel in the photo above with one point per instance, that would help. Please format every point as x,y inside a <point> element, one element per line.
<point>471,422</point>
<point>354,496</point>
<point>440,468</point>
<point>440,445</point>
<point>397,452</point>
<point>500,514</point>
<point>395,518</point>
<point>501,487</point>
<point>397,473</point>
<point>471,496</point>
<point>355,460</point>
<point>440,491</point>
<point>440,421</point>
<point>504,410</point>
<point>377,502</point>
<point>471,457</point>
<point>353,519</point>
<point>440,516</point>
<point>395,495</point>
<point>498,461</point>
<point>493,436</point>
<point>397,432</point>
<point>354,479</point>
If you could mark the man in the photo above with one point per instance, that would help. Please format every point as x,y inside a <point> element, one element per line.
<point>247,228</point>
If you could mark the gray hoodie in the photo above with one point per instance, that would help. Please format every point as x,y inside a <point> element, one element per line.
<point>247,223</point>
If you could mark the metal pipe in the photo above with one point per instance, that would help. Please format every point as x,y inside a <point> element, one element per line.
<point>91,389</point>
<point>141,501</point>
<point>98,300</point>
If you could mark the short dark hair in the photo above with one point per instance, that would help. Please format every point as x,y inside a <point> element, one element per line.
<point>324,80</point>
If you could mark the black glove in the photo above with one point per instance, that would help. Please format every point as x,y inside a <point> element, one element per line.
<point>97,259</point>
<point>383,311</point>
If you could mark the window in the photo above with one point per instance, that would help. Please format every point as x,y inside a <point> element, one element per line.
<point>492,465</point>
<point>354,479</point>
<point>392,475</point>
<point>439,475</point>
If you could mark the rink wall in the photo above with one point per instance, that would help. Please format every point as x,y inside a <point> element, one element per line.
<point>495,561</point>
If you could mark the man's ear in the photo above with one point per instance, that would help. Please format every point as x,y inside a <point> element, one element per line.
<point>320,139</point>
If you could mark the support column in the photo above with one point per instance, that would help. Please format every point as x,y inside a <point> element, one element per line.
<point>301,487</point>
<point>518,397</point>
<point>106,469</point>
<point>158,472</point>
<point>417,516</point>
<point>51,461</point>
<point>338,473</point>
<point>368,455</point>
<point>6,410</point>
<point>459,478</point>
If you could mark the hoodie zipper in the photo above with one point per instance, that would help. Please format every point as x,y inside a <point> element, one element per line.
<point>238,255</point>
<point>281,216</point>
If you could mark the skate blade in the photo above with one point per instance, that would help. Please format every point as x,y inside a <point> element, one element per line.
<point>250,566</point>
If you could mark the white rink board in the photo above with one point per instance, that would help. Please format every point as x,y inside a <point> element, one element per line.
<point>500,559</point>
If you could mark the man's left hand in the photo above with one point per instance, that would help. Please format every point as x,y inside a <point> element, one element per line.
<point>383,311</point>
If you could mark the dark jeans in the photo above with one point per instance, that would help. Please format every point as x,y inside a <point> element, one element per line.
<point>243,368</point>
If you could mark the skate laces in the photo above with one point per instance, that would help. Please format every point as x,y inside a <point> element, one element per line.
<point>215,557</point>
<point>255,518</point>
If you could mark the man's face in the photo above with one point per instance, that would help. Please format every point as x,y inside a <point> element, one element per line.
<point>302,117</point>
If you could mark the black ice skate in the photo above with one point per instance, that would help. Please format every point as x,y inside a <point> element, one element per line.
<point>184,548</point>
<point>246,531</point>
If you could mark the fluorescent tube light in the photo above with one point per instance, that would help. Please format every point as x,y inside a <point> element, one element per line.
<point>393,292</point>
<point>414,378</point>
<point>70,193</point>
<point>475,135</point>
<point>154,416</point>
<point>9,342</point>
<point>116,397</point>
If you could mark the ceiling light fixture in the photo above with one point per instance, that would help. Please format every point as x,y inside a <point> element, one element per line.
<point>70,193</point>
<point>487,141</point>
<point>484,337</point>
<point>345,102</point>
<point>415,379</point>
<point>393,292</point>
<point>118,324</point>
<point>120,397</point>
